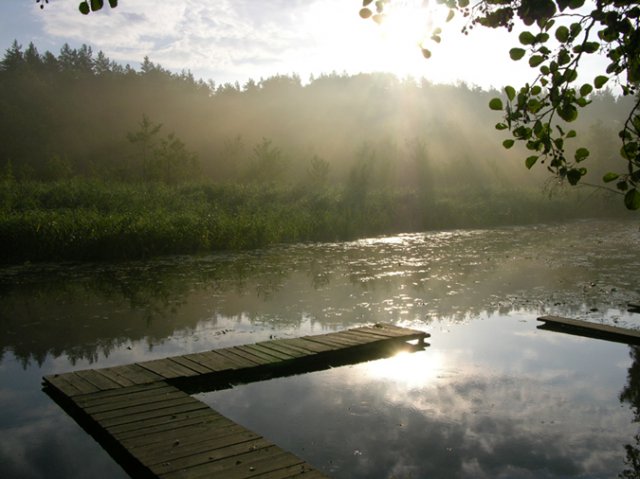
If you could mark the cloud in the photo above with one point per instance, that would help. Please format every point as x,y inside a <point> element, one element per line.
<point>236,37</point>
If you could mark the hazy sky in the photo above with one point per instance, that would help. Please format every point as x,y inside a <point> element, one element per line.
<point>234,40</point>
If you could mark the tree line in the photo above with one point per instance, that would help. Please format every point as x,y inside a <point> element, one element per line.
<point>78,113</point>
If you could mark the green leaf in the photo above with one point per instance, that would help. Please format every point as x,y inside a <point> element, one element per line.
<point>496,104</point>
<point>609,177</point>
<point>536,90</point>
<point>113,3</point>
<point>568,112</point>
<point>571,134</point>
<point>527,38</point>
<point>501,126</point>
<point>84,8</point>
<point>426,53</point>
<point>96,5</point>
<point>562,34</point>
<point>516,53</point>
<point>530,161</point>
<point>535,60</point>
<point>510,91</point>
<point>450,15</point>
<point>365,12</point>
<point>508,143</point>
<point>581,154</point>
<point>632,199</point>
<point>574,175</point>
<point>591,47</point>
<point>599,81</point>
<point>586,89</point>
<point>366,2</point>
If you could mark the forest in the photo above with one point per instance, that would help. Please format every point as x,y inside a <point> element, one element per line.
<point>104,161</point>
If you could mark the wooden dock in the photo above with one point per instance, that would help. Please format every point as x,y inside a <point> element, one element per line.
<point>145,417</point>
<point>590,330</point>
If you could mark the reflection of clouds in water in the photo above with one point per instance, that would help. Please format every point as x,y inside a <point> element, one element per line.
<point>512,406</point>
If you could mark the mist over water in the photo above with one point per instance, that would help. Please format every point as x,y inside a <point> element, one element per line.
<point>490,396</point>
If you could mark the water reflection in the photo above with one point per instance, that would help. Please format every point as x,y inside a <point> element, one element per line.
<point>520,403</point>
<point>502,398</point>
<point>88,311</point>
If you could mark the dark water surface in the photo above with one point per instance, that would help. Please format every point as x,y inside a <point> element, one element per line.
<point>491,397</point>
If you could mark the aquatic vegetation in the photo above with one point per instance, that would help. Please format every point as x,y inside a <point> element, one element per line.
<point>83,219</point>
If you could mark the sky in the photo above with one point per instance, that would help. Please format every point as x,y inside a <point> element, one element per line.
<point>234,40</point>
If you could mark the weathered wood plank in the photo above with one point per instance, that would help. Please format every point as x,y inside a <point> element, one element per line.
<point>115,394</point>
<point>305,345</point>
<point>152,425</point>
<point>185,435</point>
<point>265,358</point>
<point>253,355</point>
<point>240,466</point>
<point>98,380</point>
<point>136,374</point>
<point>334,341</point>
<point>194,365</point>
<point>213,361</point>
<point>272,352</point>
<point>594,330</point>
<point>167,413</point>
<point>129,401</point>
<point>300,471</point>
<point>62,385</point>
<point>214,451</point>
<point>114,376</point>
<point>78,382</point>
<point>167,368</point>
<point>283,348</point>
<point>217,445</point>
<point>238,361</point>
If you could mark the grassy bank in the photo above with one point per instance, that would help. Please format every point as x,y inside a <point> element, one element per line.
<point>89,220</point>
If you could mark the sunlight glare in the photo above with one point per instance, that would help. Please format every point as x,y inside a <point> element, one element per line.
<point>410,369</point>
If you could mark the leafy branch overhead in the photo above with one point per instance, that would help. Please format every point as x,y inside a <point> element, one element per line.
<point>86,6</point>
<point>554,37</point>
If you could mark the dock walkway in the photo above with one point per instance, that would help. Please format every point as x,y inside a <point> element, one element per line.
<point>145,417</point>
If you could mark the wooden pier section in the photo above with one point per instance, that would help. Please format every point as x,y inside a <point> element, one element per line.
<point>145,417</point>
<point>590,330</point>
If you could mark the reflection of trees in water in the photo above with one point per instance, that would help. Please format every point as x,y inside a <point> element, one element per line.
<point>631,394</point>
<point>84,310</point>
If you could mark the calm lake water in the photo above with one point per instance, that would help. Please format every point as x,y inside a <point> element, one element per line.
<point>492,396</point>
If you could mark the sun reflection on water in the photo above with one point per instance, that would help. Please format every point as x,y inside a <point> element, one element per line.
<point>411,370</point>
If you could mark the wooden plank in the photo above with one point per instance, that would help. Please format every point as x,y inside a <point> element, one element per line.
<point>147,399</point>
<point>62,385</point>
<point>594,330</point>
<point>213,361</point>
<point>270,351</point>
<point>136,409</point>
<point>167,413</point>
<point>394,333</point>
<point>259,355</point>
<point>149,433</point>
<point>114,376</point>
<point>194,365</point>
<point>213,451</point>
<point>310,346</point>
<point>183,436</point>
<point>136,374</point>
<point>167,369</point>
<point>217,444</point>
<point>336,342</point>
<point>301,471</point>
<point>238,361</point>
<point>240,466</point>
<point>283,348</point>
<point>98,380</point>
<point>77,382</point>
<point>363,338</point>
<point>115,394</point>
<point>253,355</point>
<point>152,425</point>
